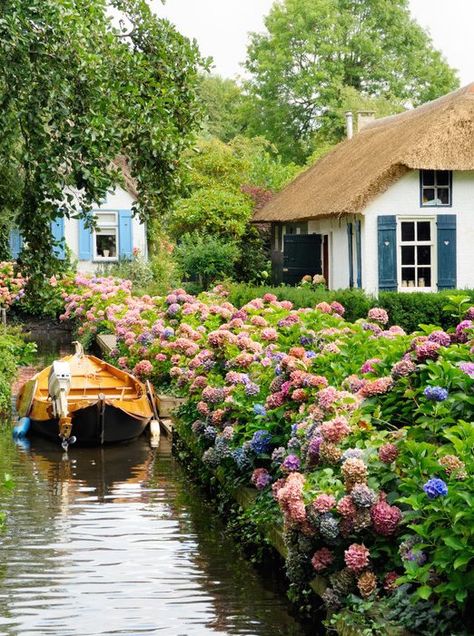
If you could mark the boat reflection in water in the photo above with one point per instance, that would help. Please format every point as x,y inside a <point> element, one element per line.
<point>104,472</point>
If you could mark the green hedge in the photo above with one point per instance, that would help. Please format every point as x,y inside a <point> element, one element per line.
<point>408,310</point>
<point>15,351</point>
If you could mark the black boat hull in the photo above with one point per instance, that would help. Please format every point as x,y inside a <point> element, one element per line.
<point>94,426</point>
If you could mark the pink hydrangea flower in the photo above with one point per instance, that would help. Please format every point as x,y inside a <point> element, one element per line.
<point>356,557</point>
<point>322,559</point>
<point>377,314</point>
<point>324,503</point>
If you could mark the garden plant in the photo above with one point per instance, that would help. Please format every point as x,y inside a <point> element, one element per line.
<point>356,436</point>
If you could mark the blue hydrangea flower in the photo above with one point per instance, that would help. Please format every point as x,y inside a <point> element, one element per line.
<point>259,409</point>
<point>260,442</point>
<point>311,354</point>
<point>435,393</point>
<point>435,487</point>
<point>241,458</point>
<point>168,332</point>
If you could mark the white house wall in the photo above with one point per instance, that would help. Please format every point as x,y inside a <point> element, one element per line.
<point>119,199</point>
<point>403,198</point>
<point>338,249</point>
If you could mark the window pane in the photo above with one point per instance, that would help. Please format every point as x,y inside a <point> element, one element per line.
<point>442,177</point>
<point>428,196</point>
<point>408,231</point>
<point>424,255</point>
<point>424,277</point>
<point>427,177</point>
<point>408,255</point>
<point>106,243</point>
<point>408,275</point>
<point>443,196</point>
<point>423,231</point>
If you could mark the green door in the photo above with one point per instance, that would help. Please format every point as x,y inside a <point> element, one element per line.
<point>301,256</point>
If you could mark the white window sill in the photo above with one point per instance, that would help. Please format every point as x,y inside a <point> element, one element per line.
<point>410,290</point>
<point>103,259</point>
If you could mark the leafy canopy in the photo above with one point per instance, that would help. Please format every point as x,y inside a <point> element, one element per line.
<point>76,91</point>
<point>218,201</point>
<point>313,50</point>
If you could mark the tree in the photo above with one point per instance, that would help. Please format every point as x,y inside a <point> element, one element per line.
<point>314,49</point>
<point>219,175</point>
<point>75,92</point>
<point>222,100</point>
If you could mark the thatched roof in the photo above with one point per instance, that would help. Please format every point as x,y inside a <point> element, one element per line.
<point>121,163</point>
<point>438,135</point>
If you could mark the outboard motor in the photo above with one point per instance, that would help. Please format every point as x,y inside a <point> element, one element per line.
<point>59,385</point>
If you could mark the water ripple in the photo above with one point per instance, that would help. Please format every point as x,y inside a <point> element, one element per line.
<point>114,541</point>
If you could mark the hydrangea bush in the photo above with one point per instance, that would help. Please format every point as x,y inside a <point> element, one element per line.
<point>357,435</point>
<point>12,284</point>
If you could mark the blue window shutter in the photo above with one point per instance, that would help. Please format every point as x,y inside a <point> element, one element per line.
<point>446,226</point>
<point>57,230</point>
<point>125,234</point>
<point>15,243</point>
<point>387,252</point>
<point>85,242</point>
<point>351,256</point>
<point>358,253</point>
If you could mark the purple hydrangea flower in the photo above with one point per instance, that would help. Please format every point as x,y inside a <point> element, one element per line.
<point>435,393</point>
<point>168,332</point>
<point>173,309</point>
<point>468,368</point>
<point>251,388</point>
<point>435,487</point>
<point>291,463</point>
<point>313,448</point>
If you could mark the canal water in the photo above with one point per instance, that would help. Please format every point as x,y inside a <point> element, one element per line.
<point>118,541</point>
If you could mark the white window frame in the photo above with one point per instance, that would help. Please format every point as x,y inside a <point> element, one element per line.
<point>432,243</point>
<point>436,202</point>
<point>106,225</point>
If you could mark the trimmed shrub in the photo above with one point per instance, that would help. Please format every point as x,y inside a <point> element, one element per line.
<point>409,310</point>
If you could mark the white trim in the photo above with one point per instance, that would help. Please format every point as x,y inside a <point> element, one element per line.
<point>97,258</point>
<point>434,257</point>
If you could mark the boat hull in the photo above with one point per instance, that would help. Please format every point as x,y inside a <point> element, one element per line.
<point>95,425</point>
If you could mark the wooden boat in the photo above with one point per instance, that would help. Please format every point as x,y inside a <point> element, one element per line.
<point>82,398</point>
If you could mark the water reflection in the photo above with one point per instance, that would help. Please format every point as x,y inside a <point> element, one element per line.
<point>116,541</point>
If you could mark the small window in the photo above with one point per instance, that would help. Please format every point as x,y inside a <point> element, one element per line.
<point>416,253</point>
<point>106,236</point>
<point>436,187</point>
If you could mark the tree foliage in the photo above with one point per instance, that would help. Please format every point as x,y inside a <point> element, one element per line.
<point>219,199</point>
<point>222,100</point>
<point>75,92</point>
<point>314,49</point>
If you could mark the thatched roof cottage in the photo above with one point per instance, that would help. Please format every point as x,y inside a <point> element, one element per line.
<point>391,208</point>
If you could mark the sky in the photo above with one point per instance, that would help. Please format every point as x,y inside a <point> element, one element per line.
<point>221,28</point>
